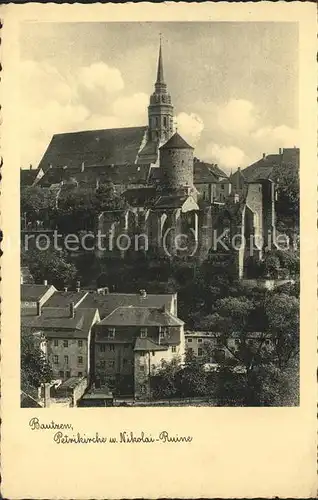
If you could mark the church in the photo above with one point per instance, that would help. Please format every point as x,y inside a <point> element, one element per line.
<point>179,202</point>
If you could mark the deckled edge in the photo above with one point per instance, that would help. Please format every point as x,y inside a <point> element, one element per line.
<point>1,234</point>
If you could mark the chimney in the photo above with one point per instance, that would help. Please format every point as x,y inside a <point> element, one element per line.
<point>264,155</point>
<point>65,289</point>
<point>143,293</point>
<point>45,282</point>
<point>78,286</point>
<point>38,308</point>
<point>72,310</point>
<point>30,167</point>
<point>47,395</point>
<point>280,151</point>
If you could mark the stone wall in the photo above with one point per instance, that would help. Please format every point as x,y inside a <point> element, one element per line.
<point>177,167</point>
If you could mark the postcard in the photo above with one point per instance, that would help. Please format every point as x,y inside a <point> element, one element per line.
<point>158,293</point>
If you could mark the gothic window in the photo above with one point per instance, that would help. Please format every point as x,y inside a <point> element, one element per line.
<point>157,121</point>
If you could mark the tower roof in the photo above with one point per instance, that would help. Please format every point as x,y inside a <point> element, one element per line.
<point>176,142</point>
<point>160,77</point>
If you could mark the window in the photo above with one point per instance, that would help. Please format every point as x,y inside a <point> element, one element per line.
<point>65,343</point>
<point>111,347</point>
<point>153,353</point>
<point>102,363</point>
<point>222,187</point>
<point>163,332</point>
<point>125,361</point>
<point>80,343</point>
<point>68,374</point>
<point>189,340</point>
<point>61,374</point>
<point>80,374</point>
<point>55,360</point>
<point>174,349</point>
<point>111,332</point>
<point>164,120</point>
<point>143,332</point>
<point>102,347</point>
<point>142,353</point>
<point>66,360</point>
<point>80,360</point>
<point>267,342</point>
<point>200,351</point>
<point>56,343</point>
<point>200,341</point>
<point>142,368</point>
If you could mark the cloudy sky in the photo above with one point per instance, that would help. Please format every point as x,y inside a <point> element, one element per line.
<point>234,86</point>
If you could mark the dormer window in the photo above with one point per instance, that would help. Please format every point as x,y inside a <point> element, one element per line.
<point>143,332</point>
<point>111,333</point>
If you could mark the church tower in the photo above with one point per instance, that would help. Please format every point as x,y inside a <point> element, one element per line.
<point>160,109</point>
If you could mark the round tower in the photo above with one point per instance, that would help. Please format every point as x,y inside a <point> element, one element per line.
<point>176,163</point>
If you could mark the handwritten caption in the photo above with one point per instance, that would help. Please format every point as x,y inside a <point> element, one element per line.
<point>65,434</point>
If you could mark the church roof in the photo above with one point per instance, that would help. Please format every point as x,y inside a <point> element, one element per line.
<point>28,177</point>
<point>109,146</point>
<point>117,174</point>
<point>160,77</point>
<point>176,142</point>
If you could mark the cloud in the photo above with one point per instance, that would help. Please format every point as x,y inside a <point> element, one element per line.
<point>226,156</point>
<point>100,75</point>
<point>190,126</point>
<point>280,136</point>
<point>52,103</point>
<point>237,117</point>
<point>132,107</point>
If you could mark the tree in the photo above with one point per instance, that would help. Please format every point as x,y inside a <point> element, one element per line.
<point>35,369</point>
<point>35,202</point>
<point>52,266</point>
<point>283,325</point>
<point>287,204</point>
<point>193,378</point>
<point>164,382</point>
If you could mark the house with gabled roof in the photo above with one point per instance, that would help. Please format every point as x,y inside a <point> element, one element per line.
<point>130,344</point>
<point>66,334</point>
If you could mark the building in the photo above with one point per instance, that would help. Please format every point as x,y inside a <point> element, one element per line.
<point>212,347</point>
<point>31,294</point>
<point>130,344</point>
<point>127,157</point>
<point>177,202</point>
<point>30,177</point>
<point>67,334</point>
<point>106,302</point>
<point>265,169</point>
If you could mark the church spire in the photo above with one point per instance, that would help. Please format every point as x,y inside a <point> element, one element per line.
<point>160,109</point>
<point>160,78</point>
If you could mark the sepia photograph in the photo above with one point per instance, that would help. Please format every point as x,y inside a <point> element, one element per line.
<point>159,209</point>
